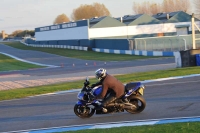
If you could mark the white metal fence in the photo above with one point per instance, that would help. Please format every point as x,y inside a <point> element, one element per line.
<point>56,46</point>
<point>168,43</point>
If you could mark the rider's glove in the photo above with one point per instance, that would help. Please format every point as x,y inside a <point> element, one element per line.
<point>86,83</point>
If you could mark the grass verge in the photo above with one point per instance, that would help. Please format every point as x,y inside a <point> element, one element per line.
<point>7,64</point>
<point>191,127</point>
<point>86,55</point>
<point>21,93</point>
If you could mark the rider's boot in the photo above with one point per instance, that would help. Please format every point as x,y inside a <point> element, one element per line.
<point>100,107</point>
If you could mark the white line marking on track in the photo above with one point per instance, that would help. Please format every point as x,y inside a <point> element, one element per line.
<point>185,82</point>
<point>26,60</point>
<point>110,125</point>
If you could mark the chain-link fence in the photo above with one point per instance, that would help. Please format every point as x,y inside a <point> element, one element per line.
<point>168,43</point>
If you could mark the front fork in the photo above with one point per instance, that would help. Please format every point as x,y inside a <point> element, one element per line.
<point>84,104</point>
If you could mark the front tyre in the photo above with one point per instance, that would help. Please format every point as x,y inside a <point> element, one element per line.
<point>139,102</point>
<point>83,111</point>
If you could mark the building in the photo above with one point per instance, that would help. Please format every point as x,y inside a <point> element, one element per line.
<point>114,33</point>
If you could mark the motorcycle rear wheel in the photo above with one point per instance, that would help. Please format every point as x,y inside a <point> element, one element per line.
<point>139,102</point>
<point>83,112</point>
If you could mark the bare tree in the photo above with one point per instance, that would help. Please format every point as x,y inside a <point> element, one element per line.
<point>141,8</point>
<point>15,33</point>
<point>197,8</point>
<point>146,7</point>
<point>90,11</point>
<point>176,5</point>
<point>61,19</point>
<point>137,8</point>
<point>166,6</point>
<point>155,8</point>
<point>22,33</point>
<point>184,5</point>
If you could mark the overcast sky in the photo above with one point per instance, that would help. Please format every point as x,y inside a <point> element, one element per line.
<point>29,14</point>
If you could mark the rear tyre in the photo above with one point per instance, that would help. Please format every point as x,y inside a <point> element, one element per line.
<point>139,102</point>
<point>83,111</point>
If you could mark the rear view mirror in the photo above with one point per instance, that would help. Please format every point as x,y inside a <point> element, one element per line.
<point>87,79</point>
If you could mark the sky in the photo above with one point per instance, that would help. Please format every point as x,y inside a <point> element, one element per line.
<point>29,14</point>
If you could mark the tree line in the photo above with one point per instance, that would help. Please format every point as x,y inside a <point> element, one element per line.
<point>166,6</point>
<point>86,11</point>
<point>21,33</point>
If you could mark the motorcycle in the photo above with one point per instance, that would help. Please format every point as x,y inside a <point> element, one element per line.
<point>87,104</point>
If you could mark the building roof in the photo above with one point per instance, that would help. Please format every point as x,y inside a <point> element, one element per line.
<point>144,19</point>
<point>96,19</point>
<point>129,18</point>
<point>105,21</point>
<point>165,16</point>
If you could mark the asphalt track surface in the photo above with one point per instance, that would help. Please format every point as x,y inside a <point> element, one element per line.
<point>71,65</point>
<point>165,99</point>
<point>66,71</point>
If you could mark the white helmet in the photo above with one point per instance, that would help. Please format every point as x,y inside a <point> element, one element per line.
<point>100,73</point>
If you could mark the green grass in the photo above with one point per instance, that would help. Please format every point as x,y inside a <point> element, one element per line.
<point>159,74</point>
<point>21,93</point>
<point>192,127</point>
<point>87,55</point>
<point>7,64</point>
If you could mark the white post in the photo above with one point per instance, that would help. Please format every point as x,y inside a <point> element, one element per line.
<point>171,44</point>
<point>136,45</point>
<point>178,60</point>
<point>185,44</point>
<point>145,45</point>
<point>193,33</point>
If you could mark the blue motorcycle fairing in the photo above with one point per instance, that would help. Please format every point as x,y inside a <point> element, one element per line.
<point>137,86</point>
<point>97,90</point>
<point>80,95</point>
<point>80,102</point>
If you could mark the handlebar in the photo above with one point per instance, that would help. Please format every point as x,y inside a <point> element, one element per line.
<point>86,83</point>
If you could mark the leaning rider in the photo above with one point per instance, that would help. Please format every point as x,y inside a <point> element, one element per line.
<point>108,82</point>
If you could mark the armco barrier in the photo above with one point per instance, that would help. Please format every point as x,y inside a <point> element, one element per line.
<point>57,46</point>
<point>130,52</point>
<point>136,52</point>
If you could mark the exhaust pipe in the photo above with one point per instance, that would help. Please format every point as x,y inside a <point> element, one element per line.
<point>125,106</point>
<point>133,107</point>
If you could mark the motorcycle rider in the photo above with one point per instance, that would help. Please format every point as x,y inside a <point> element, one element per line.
<point>109,83</point>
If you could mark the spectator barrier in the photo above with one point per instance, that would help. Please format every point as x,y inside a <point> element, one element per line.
<point>57,46</point>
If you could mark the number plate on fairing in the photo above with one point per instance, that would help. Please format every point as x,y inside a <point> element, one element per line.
<point>141,91</point>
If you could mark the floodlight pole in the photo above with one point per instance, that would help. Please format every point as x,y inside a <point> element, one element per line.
<point>193,32</point>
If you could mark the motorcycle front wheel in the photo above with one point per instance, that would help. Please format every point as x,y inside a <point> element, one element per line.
<point>139,102</point>
<point>83,111</point>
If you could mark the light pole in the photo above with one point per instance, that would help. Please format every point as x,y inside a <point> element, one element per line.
<point>193,33</point>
